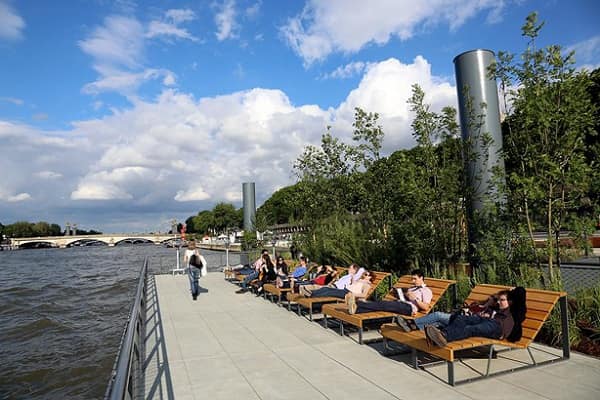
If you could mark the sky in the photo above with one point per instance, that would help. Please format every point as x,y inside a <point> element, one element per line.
<point>121,116</point>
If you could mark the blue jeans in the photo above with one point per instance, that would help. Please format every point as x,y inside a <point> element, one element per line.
<point>194,278</point>
<point>464,326</point>
<point>249,278</point>
<point>438,318</point>
<point>330,292</point>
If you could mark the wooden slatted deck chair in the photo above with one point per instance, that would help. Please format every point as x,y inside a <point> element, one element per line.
<point>309,302</point>
<point>340,311</point>
<point>292,297</point>
<point>540,304</point>
<point>272,290</point>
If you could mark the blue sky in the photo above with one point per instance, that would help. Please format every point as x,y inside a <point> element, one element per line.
<point>121,115</point>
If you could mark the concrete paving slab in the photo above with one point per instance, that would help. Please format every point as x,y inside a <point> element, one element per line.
<point>238,346</point>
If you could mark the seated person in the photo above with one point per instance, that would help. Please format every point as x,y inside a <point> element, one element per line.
<point>281,268</point>
<point>495,322</point>
<point>325,276</point>
<point>353,275</point>
<point>442,319</point>
<point>255,272</point>
<point>298,273</point>
<point>415,298</point>
<point>358,289</point>
<point>267,273</point>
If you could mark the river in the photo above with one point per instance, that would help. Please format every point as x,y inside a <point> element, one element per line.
<point>62,314</point>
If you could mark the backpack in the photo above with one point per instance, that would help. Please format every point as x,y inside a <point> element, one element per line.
<point>196,261</point>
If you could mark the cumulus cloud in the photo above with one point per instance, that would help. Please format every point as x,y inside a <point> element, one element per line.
<point>225,20</point>
<point>347,26</point>
<point>180,154</point>
<point>18,197</point>
<point>11,23</point>
<point>347,71</point>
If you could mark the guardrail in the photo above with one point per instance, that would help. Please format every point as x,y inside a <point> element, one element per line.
<point>126,379</point>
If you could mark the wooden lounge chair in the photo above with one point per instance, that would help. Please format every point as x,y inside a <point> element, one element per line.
<point>292,297</point>
<point>539,306</point>
<point>340,311</point>
<point>309,302</point>
<point>272,290</point>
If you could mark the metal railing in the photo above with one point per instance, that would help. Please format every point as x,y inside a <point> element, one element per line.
<point>126,377</point>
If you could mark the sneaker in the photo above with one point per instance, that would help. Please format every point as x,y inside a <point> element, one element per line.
<point>402,323</point>
<point>351,304</point>
<point>241,291</point>
<point>435,335</point>
<point>195,297</point>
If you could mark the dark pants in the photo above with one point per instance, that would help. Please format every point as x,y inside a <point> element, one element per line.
<point>398,307</point>
<point>330,292</point>
<point>464,326</point>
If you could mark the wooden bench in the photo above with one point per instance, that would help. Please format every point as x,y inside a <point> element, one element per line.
<point>309,302</point>
<point>272,290</point>
<point>540,304</point>
<point>340,312</point>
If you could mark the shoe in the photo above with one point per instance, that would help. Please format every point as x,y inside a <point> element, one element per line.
<point>401,322</point>
<point>435,335</point>
<point>351,304</point>
<point>241,291</point>
<point>195,297</point>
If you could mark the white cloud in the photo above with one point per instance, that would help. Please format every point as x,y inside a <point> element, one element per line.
<point>253,10</point>
<point>225,20</point>
<point>193,194</point>
<point>118,51</point>
<point>347,26</point>
<point>13,100</point>
<point>160,155</point>
<point>347,71</point>
<point>170,25</point>
<point>19,197</point>
<point>587,53</point>
<point>11,23</point>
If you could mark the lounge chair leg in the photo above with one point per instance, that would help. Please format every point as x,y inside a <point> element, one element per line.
<point>490,354</point>
<point>415,359</point>
<point>310,312</point>
<point>341,328</point>
<point>325,321</point>
<point>531,356</point>
<point>450,373</point>
<point>360,332</point>
<point>564,317</point>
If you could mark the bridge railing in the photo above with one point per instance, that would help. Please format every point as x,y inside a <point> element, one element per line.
<point>126,378</point>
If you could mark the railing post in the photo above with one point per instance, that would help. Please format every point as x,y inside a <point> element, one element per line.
<point>564,318</point>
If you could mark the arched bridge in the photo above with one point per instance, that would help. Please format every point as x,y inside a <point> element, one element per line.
<point>109,239</point>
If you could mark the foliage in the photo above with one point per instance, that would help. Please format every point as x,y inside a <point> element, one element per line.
<point>551,116</point>
<point>220,219</point>
<point>30,229</point>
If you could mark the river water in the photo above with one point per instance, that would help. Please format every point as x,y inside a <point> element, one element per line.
<point>62,314</point>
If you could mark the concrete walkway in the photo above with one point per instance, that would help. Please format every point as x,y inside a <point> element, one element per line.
<point>237,346</point>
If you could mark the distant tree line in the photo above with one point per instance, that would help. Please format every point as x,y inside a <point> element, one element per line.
<point>34,229</point>
<point>221,218</point>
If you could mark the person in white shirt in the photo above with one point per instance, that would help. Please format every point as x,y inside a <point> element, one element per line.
<point>192,256</point>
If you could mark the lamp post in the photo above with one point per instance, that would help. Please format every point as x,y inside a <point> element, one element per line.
<point>273,243</point>
<point>227,252</point>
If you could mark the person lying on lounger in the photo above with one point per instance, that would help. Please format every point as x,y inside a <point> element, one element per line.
<point>358,289</point>
<point>410,301</point>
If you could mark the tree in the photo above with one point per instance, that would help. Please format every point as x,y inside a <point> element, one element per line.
<point>550,118</point>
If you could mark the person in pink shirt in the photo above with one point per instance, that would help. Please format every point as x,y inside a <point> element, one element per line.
<point>415,298</point>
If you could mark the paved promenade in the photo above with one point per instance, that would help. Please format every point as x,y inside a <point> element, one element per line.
<point>238,346</point>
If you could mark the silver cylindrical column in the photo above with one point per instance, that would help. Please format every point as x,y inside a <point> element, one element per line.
<point>481,131</point>
<point>249,206</point>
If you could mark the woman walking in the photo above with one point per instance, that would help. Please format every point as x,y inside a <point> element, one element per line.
<point>196,266</point>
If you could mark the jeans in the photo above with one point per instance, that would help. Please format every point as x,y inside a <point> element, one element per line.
<point>398,307</point>
<point>330,292</point>
<point>194,278</point>
<point>438,318</point>
<point>249,278</point>
<point>464,326</point>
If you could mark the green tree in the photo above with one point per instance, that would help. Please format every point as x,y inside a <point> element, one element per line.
<point>550,118</point>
